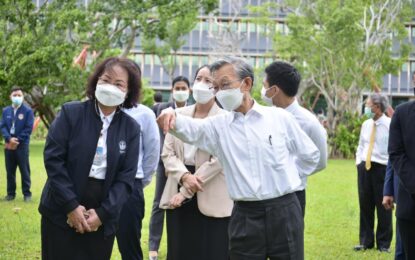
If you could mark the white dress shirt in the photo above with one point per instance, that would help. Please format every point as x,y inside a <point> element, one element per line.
<point>99,165</point>
<point>149,153</point>
<point>380,149</point>
<point>312,127</point>
<point>254,150</point>
<point>189,152</point>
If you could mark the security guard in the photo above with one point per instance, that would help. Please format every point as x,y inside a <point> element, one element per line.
<point>16,127</point>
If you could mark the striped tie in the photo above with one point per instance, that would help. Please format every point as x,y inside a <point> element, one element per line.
<point>371,144</point>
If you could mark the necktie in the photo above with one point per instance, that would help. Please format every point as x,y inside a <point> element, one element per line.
<point>368,164</point>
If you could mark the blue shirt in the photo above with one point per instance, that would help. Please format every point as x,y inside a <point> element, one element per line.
<point>149,153</point>
<point>23,123</point>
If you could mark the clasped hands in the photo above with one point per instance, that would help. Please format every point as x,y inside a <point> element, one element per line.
<point>12,144</point>
<point>192,184</point>
<point>83,220</point>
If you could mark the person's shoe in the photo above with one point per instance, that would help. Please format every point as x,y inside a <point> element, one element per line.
<point>384,249</point>
<point>9,198</point>
<point>361,248</point>
<point>27,198</point>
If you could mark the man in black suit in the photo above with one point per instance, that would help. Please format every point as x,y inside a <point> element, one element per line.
<point>402,157</point>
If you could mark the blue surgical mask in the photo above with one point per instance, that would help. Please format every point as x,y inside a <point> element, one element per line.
<point>17,101</point>
<point>369,113</point>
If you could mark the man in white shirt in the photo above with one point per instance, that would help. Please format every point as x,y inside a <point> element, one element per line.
<point>255,145</point>
<point>371,160</point>
<point>280,88</point>
<point>132,213</point>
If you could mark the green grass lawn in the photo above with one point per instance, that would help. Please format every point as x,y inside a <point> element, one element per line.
<point>331,224</point>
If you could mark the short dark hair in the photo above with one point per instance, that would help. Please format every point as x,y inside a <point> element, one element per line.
<point>134,79</point>
<point>197,71</point>
<point>158,97</point>
<point>285,76</point>
<point>180,78</point>
<point>16,89</point>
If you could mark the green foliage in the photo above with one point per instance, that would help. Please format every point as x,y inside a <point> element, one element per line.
<point>147,94</point>
<point>37,49</point>
<point>346,137</point>
<point>166,48</point>
<point>38,45</point>
<point>340,47</point>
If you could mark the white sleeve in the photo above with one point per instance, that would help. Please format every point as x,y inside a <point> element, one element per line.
<point>306,153</point>
<point>151,147</point>
<point>319,137</point>
<point>359,150</point>
<point>198,132</point>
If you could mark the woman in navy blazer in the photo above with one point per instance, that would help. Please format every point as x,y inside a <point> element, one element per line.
<point>91,156</point>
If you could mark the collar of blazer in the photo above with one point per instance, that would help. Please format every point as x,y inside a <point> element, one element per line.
<point>190,110</point>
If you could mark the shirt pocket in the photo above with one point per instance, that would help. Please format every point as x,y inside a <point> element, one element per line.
<point>274,151</point>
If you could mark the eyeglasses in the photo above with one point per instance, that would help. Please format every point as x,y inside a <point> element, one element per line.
<point>224,86</point>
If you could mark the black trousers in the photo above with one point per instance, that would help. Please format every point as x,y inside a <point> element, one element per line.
<point>130,223</point>
<point>192,235</point>
<point>14,158</point>
<point>157,214</point>
<point>370,186</point>
<point>268,229</point>
<point>64,243</point>
<point>407,232</point>
<point>302,199</point>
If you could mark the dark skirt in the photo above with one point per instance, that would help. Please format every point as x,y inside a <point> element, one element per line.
<point>192,235</point>
<point>65,243</point>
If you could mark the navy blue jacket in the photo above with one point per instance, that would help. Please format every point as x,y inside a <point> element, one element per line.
<point>69,151</point>
<point>402,156</point>
<point>23,123</point>
<point>390,187</point>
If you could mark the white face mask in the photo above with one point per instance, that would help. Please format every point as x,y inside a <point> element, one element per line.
<point>17,100</point>
<point>109,95</point>
<point>230,99</point>
<point>266,99</point>
<point>201,92</point>
<point>180,95</point>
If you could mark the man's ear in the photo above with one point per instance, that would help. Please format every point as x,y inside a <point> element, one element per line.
<point>276,90</point>
<point>248,84</point>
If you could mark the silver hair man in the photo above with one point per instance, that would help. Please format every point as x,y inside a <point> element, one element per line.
<point>241,66</point>
<point>381,100</point>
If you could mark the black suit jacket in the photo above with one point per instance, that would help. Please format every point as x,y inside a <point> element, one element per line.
<point>402,156</point>
<point>69,151</point>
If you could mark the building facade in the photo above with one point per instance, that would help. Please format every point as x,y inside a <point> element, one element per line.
<point>202,47</point>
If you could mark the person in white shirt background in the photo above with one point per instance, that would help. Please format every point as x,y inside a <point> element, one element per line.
<point>254,144</point>
<point>132,213</point>
<point>371,160</point>
<point>180,91</point>
<point>280,87</point>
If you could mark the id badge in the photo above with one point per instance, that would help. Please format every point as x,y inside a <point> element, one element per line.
<point>99,156</point>
<point>12,130</point>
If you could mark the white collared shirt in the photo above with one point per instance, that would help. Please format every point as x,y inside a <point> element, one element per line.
<point>99,165</point>
<point>254,150</point>
<point>149,149</point>
<point>312,127</point>
<point>380,149</point>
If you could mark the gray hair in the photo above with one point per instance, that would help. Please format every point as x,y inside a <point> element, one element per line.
<point>381,100</point>
<point>241,67</point>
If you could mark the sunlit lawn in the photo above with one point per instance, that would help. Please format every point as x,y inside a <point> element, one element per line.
<point>331,225</point>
